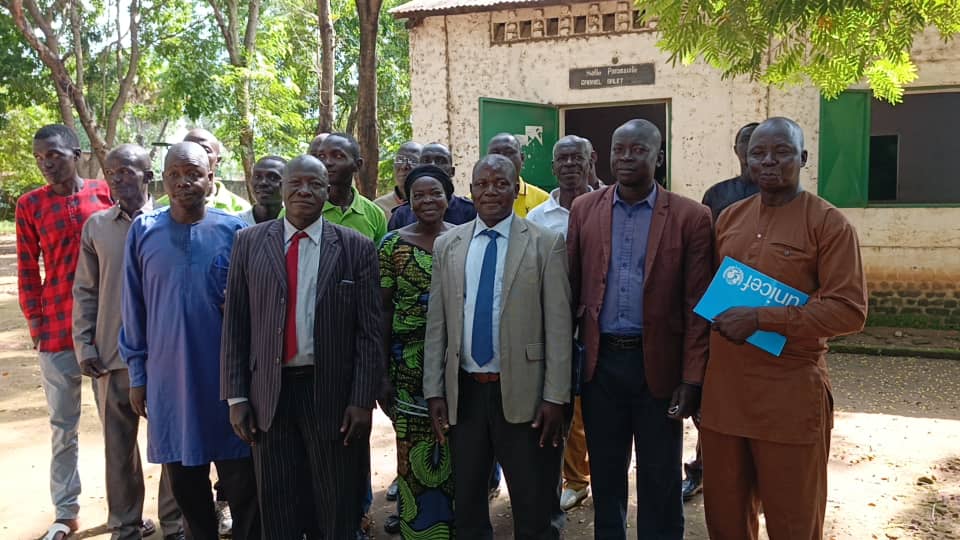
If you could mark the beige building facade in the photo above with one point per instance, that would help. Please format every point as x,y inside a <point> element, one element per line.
<point>570,56</point>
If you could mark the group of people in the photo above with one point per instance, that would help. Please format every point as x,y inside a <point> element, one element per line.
<point>515,329</point>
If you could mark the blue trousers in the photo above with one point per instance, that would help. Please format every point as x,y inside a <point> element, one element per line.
<point>619,411</point>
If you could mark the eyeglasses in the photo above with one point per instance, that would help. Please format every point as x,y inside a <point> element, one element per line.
<point>404,160</point>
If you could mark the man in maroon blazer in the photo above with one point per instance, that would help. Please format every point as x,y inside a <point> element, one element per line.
<point>640,259</point>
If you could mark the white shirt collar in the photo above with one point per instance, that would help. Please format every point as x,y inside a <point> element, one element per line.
<point>503,227</point>
<point>314,230</point>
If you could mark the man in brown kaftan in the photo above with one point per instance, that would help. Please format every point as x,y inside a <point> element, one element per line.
<point>767,419</point>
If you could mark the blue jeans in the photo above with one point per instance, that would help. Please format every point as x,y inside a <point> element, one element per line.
<point>60,375</point>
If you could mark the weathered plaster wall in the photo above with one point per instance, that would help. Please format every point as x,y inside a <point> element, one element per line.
<point>705,110</point>
<point>453,65</point>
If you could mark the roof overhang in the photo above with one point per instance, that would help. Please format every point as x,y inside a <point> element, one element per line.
<point>419,9</point>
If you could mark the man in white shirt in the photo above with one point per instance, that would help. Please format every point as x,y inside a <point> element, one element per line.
<point>571,168</point>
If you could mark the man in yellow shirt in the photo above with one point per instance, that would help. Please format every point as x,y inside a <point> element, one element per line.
<point>530,196</point>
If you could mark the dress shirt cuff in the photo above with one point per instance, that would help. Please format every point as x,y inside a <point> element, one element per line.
<point>555,402</point>
<point>236,400</point>
<point>137,369</point>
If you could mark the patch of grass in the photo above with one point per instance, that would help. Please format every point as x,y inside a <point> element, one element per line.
<point>7,226</point>
<point>914,321</point>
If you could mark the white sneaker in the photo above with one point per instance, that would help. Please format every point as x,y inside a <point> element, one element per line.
<point>224,519</point>
<point>570,498</point>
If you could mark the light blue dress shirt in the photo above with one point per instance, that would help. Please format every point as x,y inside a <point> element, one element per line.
<point>474,265</point>
<point>622,311</point>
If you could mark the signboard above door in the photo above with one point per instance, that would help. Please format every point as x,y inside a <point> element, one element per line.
<point>615,75</point>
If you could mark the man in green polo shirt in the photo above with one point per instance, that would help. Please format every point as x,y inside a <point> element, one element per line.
<point>340,154</point>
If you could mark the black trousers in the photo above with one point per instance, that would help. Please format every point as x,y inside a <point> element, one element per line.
<point>293,450</point>
<point>483,436</point>
<point>192,490</point>
<point>618,410</point>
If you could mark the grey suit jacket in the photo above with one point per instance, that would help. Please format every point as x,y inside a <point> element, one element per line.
<point>348,350</point>
<point>535,320</point>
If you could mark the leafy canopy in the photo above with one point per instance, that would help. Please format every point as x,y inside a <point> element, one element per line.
<point>833,43</point>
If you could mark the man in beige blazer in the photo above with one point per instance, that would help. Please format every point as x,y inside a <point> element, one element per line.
<point>497,356</point>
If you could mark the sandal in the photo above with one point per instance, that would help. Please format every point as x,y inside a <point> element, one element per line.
<point>61,529</point>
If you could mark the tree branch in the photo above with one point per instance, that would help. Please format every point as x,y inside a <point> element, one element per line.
<point>126,84</point>
<point>77,43</point>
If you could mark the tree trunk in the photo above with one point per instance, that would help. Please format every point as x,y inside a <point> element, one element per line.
<point>241,54</point>
<point>246,134</point>
<point>325,125</point>
<point>367,129</point>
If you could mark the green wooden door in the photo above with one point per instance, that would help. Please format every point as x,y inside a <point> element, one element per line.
<point>845,149</point>
<point>536,126</point>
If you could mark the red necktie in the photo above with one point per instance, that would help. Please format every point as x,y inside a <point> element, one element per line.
<point>290,344</point>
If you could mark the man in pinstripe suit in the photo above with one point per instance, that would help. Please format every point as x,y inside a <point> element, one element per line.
<point>301,358</point>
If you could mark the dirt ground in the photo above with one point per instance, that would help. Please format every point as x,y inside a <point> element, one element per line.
<point>894,464</point>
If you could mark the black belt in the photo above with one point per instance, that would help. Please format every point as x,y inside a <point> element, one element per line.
<point>618,342</point>
<point>298,371</point>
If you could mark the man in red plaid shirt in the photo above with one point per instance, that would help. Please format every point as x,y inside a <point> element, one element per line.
<point>49,222</point>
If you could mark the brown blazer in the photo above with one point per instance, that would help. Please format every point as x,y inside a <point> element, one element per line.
<point>678,269</point>
<point>348,350</point>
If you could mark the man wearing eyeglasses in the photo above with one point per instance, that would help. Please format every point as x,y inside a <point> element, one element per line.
<point>408,157</point>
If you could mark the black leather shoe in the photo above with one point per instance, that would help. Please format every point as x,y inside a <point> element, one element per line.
<point>391,525</point>
<point>392,491</point>
<point>693,483</point>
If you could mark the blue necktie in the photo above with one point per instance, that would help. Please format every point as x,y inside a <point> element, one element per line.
<point>482,345</point>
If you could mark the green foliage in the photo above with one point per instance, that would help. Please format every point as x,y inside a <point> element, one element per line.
<point>185,78</point>
<point>833,43</point>
<point>18,169</point>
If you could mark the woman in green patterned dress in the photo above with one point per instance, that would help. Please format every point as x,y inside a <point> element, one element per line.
<point>424,470</point>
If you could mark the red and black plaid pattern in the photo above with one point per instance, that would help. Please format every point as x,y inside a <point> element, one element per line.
<point>49,225</point>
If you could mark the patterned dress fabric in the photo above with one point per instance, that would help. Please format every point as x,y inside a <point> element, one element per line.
<point>424,468</point>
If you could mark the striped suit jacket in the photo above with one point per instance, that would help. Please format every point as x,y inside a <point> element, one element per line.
<point>348,349</point>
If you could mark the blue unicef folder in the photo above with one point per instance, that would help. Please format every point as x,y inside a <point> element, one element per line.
<point>738,285</point>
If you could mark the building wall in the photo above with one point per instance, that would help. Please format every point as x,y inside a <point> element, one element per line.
<point>906,251</point>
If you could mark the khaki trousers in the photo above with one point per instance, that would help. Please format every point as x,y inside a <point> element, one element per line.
<point>576,463</point>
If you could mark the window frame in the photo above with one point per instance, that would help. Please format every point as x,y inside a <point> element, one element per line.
<point>844,179</point>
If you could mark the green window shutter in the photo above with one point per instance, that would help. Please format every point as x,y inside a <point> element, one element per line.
<point>536,126</point>
<point>845,149</point>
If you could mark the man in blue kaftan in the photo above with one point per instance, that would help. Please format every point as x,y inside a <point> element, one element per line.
<point>175,275</point>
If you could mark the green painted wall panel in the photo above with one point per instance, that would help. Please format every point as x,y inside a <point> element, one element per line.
<point>536,126</point>
<point>844,166</point>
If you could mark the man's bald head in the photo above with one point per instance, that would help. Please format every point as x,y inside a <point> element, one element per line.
<point>497,162</point>
<point>508,146</point>
<point>133,154</point>
<point>186,151</point>
<point>645,129</point>
<point>783,126</point>
<point>305,163</point>
<point>210,144</point>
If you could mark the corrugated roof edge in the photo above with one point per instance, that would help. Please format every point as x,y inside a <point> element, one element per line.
<point>431,8</point>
